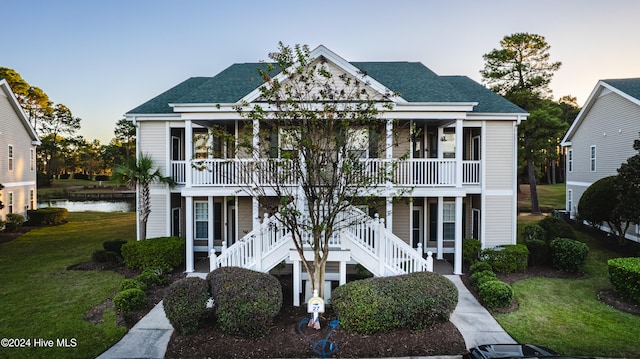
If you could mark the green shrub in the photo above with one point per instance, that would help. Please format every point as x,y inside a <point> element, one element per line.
<point>154,252</point>
<point>114,246</point>
<point>14,221</point>
<point>157,276</point>
<point>568,255</point>
<point>48,216</point>
<point>245,301</point>
<point>132,283</point>
<point>185,304</point>
<point>495,294</point>
<point>554,227</point>
<point>624,275</point>
<point>470,250</point>
<point>479,266</point>
<point>538,251</point>
<point>413,301</point>
<point>532,232</point>
<point>104,256</point>
<point>130,299</point>
<point>478,278</point>
<point>507,259</point>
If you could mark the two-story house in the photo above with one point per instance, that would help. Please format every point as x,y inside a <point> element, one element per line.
<point>461,174</point>
<point>18,142</point>
<point>601,139</point>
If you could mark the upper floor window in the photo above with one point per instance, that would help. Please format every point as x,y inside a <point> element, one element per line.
<point>570,160</point>
<point>10,157</point>
<point>200,145</point>
<point>32,160</point>
<point>593,159</point>
<point>358,142</point>
<point>288,138</point>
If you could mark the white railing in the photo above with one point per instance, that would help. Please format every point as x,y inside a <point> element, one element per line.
<point>383,252</point>
<point>414,172</point>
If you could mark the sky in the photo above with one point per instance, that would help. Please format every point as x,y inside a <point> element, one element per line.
<point>102,58</point>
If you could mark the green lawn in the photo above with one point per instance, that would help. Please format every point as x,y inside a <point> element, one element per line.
<point>40,298</point>
<point>565,314</point>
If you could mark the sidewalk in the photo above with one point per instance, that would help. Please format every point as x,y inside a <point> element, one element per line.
<point>150,337</point>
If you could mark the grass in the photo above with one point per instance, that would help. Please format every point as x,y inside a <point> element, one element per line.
<point>40,298</point>
<point>565,314</point>
<point>551,196</point>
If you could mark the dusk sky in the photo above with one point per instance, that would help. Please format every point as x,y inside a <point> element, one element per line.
<point>103,58</point>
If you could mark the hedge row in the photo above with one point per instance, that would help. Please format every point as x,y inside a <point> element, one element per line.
<point>154,252</point>
<point>507,259</point>
<point>47,216</point>
<point>624,275</point>
<point>493,292</point>
<point>412,301</point>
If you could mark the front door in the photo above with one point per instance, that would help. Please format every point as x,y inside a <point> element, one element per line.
<point>417,227</point>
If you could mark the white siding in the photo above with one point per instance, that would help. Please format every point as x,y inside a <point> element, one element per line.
<point>157,222</point>
<point>22,178</point>
<point>498,159</point>
<point>498,216</point>
<point>152,140</point>
<point>612,124</point>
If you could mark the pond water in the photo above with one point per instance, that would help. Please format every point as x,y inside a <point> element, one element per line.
<point>82,206</point>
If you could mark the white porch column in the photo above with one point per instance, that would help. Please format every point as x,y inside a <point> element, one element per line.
<point>459,152</point>
<point>389,212</point>
<point>210,220</point>
<point>457,261</point>
<point>296,283</point>
<point>188,152</point>
<point>389,139</point>
<point>189,234</point>
<point>440,236</point>
<point>343,272</point>
<point>255,212</point>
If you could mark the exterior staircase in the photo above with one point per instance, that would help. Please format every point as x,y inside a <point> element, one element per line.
<point>365,240</point>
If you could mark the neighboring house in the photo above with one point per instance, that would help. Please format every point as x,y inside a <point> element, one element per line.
<point>462,168</point>
<point>18,142</point>
<point>601,138</point>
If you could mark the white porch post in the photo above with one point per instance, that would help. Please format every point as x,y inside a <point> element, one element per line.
<point>210,217</point>
<point>188,152</point>
<point>256,214</point>
<point>189,234</point>
<point>389,212</point>
<point>343,272</point>
<point>457,261</point>
<point>256,145</point>
<point>440,236</point>
<point>459,152</point>
<point>296,283</point>
<point>382,247</point>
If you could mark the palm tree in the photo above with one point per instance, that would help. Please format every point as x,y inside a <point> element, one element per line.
<point>141,173</point>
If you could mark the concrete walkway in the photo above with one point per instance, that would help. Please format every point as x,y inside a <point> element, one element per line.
<point>150,337</point>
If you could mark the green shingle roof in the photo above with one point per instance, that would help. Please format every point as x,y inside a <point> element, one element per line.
<point>629,86</point>
<point>411,80</point>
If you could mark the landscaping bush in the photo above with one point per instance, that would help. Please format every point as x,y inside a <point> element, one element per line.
<point>507,259</point>
<point>245,301</point>
<point>130,299</point>
<point>413,301</point>
<point>185,304</point>
<point>47,216</point>
<point>104,256</point>
<point>480,266</point>
<point>114,246</point>
<point>554,227</point>
<point>470,250</point>
<point>532,232</point>
<point>624,275</point>
<point>132,283</point>
<point>157,276</point>
<point>568,255</point>
<point>14,221</point>
<point>495,294</point>
<point>480,277</point>
<point>538,251</point>
<point>154,252</point>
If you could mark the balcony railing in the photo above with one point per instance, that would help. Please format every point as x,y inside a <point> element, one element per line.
<point>417,172</point>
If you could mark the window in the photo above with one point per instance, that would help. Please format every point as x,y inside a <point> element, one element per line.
<point>570,201</point>
<point>570,160</point>
<point>358,142</point>
<point>10,157</point>
<point>593,158</point>
<point>202,220</point>
<point>200,145</point>
<point>449,221</point>
<point>10,204</point>
<point>288,138</point>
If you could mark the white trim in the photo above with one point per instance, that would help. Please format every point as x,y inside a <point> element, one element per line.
<point>579,184</point>
<point>18,184</point>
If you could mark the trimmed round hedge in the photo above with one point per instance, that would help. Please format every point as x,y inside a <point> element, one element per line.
<point>412,301</point>
<point>624,275</point>
<point>480,277</point>
<point>568,255</point>
<point>186,304</point>
<point>245,301</point>
<point>130,299</point>
<point>495,293</point>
